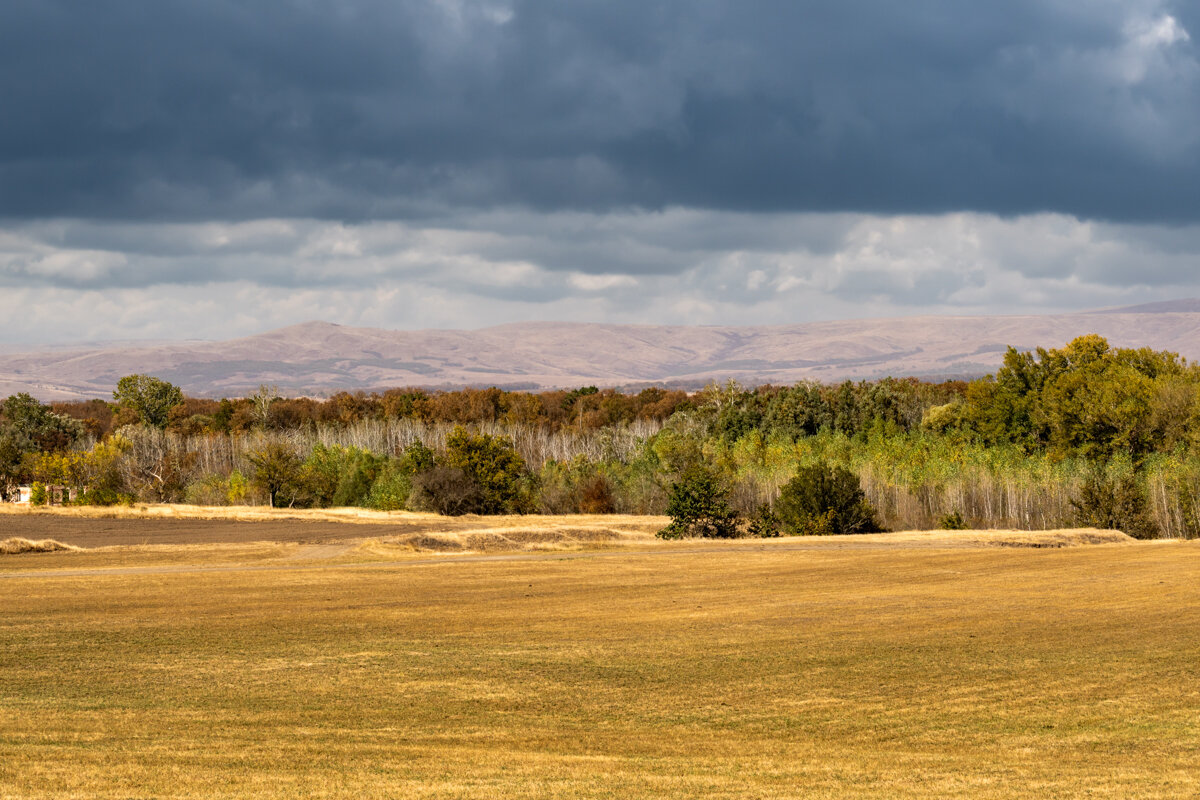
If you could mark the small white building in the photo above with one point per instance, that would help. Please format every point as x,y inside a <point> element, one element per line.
<point>22,495</point>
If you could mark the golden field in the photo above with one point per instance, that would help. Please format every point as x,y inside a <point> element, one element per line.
<point>900,665</point>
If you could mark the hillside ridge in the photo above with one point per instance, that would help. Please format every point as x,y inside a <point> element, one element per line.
<point>318,358</point>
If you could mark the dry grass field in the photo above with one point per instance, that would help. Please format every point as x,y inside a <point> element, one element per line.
<point>904,665</point>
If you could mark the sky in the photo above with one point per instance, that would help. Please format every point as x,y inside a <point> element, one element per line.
<point>217,168</point>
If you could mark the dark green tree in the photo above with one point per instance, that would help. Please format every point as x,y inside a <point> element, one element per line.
<point>150,398</point>
<point>28,427</point>
<point>493,465</point>
<point>1114,503</point>
<point>825,499</point>
<point>698,506</point>
<point>446,490</point>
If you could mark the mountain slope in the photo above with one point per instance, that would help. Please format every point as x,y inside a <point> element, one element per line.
<point>320,357</point>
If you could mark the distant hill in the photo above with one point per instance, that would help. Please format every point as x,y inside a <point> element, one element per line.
<point>318,358</point>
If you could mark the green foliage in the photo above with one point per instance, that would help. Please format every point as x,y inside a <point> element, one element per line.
<point>37,494</point>
<point>446,490</point>
<point>415,458</point>
<point>1086,399</point>
<point>493,465</point>
<point>824,499</point>
<point>27,428</point>
<point>1114,502</point>
<point>335,475</point>
<point>699,507</point>
<point>150,398</point>
<point>583,391</point>
<point>764,523</point>
<point>215,489</point>
<point>391,489</point>
<point>580,486</point>
<point>209,490</point>
<point>277,469</point>
<point>237,488</point>
<point>952,522</point>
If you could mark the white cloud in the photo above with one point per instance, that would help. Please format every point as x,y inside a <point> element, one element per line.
<point>64,281</point>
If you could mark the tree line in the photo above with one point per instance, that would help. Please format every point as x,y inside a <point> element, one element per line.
<point>1085,434</point>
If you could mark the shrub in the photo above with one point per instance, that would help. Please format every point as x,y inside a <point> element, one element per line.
<point>337,475</point>
<point>952,522</point>
<point>698,506</point>
<point>445,490</point>
<point>391,489</point>
<point>211,490</point>
<point>493,466</point>
<point>1112,503</point>
<point>575,487</point>
<point>238,488</point>
<point>37,494</point>
<point>104,496</point>
<point>596,496</point>
<point>823,499</point>
<point>764,523</point>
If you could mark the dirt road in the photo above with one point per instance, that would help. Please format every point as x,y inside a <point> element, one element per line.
<point>90,532</point>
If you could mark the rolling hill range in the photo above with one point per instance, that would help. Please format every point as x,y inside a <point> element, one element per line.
<point>318,358</point>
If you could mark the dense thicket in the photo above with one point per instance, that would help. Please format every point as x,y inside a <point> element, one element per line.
<point>1086,434</point>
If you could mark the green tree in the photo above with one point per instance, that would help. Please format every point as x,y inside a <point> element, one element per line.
<point>825,499</point>
<point>493,465</point>
<point>28,427</point>
<point>699,506</point>
<point>1114,503</point>
<point>150,398</point>
<point>276,469</point>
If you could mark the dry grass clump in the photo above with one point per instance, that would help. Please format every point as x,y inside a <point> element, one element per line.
<point>494,540</point>
<point>1052,539</point>
<point>17,545</point>
<point>1060,538</point>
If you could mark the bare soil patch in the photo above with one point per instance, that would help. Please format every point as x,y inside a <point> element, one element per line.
<point>158,525</point>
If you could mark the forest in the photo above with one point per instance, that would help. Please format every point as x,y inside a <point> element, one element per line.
<point>1086,434</point>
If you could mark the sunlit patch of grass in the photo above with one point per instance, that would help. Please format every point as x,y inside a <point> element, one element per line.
<point>17,544</point>
<point>678,671</point>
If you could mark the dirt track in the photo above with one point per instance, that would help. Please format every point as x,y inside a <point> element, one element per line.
<point>85,532</point>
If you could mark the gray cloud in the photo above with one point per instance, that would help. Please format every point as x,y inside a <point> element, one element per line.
<point>406,109</point>
<point>67,279</point>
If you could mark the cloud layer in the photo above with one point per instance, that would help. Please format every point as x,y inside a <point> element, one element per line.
<point>386,109</point>
<point>218,167</point>
<point>70,280</point>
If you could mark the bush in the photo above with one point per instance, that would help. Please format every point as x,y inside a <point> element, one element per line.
<point>211,490</point>
<point>764,523</point>
<point>699,507</point>
<point>104,496</point>
<point>238,488</point>
<point>337,475</point>
<point>493,466</point>
<point>37,494</point>
<point>822,499</point>
<point>952,522</point>
<point>391,489</point>
<point>445,490</point>
<point>596,496</point>
<point>575,487</point>
<point>1114,504</point>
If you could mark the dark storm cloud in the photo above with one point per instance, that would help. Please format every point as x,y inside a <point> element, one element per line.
<point>359,109</point>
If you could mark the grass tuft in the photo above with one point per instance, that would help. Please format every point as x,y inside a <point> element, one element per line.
<point>17,545</point>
